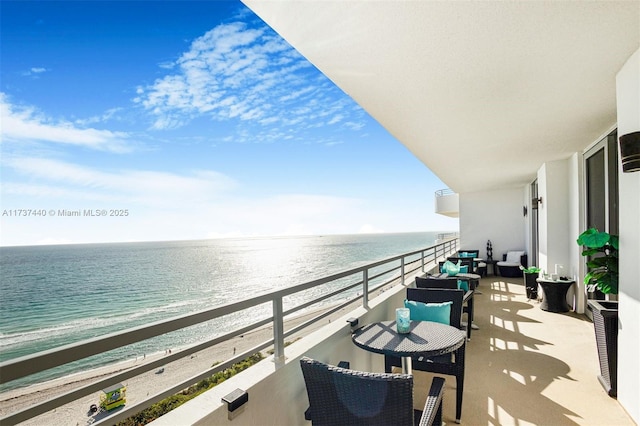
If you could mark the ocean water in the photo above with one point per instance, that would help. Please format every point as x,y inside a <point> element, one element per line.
<point>56,295</point>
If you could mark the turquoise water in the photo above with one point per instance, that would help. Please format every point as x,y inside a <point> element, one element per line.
<point>55,295</point>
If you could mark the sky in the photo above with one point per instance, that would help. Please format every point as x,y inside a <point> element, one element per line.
<point>152,121</point>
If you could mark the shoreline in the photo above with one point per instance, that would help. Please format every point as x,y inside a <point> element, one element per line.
<point>148,383</point>
<point>152,382</point>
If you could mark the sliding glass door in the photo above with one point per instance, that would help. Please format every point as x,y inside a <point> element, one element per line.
<point>601,187</point>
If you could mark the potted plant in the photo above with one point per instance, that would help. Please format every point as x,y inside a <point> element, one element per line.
<point>531,285</point>
<point>601,248</point>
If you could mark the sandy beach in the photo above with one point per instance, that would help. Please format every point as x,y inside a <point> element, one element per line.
<point>138,388</point>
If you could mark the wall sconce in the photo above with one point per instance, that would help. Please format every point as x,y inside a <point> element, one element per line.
<point>630,152</point>
<point>535,202</point>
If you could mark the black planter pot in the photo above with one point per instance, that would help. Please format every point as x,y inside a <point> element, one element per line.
<point>605,324</point>
<point>531,285</point>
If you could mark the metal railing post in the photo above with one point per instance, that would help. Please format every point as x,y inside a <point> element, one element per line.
<point>422,254</point>
<point>365,289</point>
<point>402,270</point>
<point>278,329</point>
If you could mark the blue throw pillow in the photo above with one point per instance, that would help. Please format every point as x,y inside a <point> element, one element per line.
<point>436,312</point>
<point>464,269</point>
<point>463,285</point>
<point>465,254</point>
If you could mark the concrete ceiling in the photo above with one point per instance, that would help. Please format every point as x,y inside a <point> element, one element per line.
<point>482,92</point>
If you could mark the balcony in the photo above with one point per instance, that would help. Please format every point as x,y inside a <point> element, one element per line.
<point>524,365</point>
<point>446,202</point>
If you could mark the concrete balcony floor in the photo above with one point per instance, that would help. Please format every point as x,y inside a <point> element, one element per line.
<point>526,366</point>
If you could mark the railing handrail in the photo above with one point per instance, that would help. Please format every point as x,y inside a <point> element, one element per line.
<point>443,192</point>
<point>30,364</point>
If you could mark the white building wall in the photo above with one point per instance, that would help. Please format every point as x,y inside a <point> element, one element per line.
<point>575,199</point>
<point>554,212</point>
<point>628,105</point>
<point>495,216</point>
<point>447,205</point>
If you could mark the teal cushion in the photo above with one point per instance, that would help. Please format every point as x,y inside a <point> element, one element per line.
<point>463,254</point>
<point>436,312</point>
<point>463,285</point>
<point>463,269</point>
<point>451,268</point>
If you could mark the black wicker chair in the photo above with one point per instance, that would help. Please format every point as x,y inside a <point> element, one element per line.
<point>469,253</point>
<point>450,364</point>
<point>451,283</point>
<point>479,267</point>
<point>472,265</point>
<point>510,266</point>
<point>339,396</point>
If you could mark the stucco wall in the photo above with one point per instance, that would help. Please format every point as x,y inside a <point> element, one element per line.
<point>575,199</point>
<point>554,218</point>
<point>628,104</point>
<point>495,216</point>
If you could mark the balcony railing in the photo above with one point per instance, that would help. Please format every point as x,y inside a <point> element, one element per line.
<point>349,286</point>
<point>443,192</point>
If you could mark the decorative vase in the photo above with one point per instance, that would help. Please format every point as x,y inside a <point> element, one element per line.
<point>403,321</point>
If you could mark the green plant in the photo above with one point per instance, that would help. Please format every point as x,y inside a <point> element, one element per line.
<point>530,269</point>
<point>602,248</point>
<point>174,401</point>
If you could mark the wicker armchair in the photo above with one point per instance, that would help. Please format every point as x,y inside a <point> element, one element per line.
<point>511,262</point>
<point>471,264</point>
<point>339,396</point>
<point>469,253</point>
<point>451,283</point>
<point>450,364</point>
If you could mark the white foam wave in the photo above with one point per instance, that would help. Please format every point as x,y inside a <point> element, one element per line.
<point>82,325</point>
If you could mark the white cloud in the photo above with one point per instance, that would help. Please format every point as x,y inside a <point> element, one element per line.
<point>250,75</point>
<point>161,206</point>
<point>336,119</point>
<point>109,114</point>
<point>53,179</point>
<point>34,72</point>
<point>21,124</point>
<point>369,229</point>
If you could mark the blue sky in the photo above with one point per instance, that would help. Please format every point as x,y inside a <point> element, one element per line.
<point>194,118</point>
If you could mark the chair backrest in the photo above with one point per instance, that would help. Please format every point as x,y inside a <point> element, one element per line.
<point>338,396</point>
<point>439,295</point>
<point>523,259</point>
<point>431,282</point>
<point>475,253</point>
<point>465,261</point>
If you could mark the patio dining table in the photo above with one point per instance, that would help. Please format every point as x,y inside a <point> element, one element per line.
<point>425,338</point>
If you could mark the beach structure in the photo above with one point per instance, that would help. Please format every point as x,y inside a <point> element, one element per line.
<point>517,107</point>
<point>113,397</point>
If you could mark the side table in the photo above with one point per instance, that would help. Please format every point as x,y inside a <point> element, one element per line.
<point>492,263</point>
<point>554,295</point>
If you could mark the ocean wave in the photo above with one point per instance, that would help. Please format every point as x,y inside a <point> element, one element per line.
<point>82,327</point>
